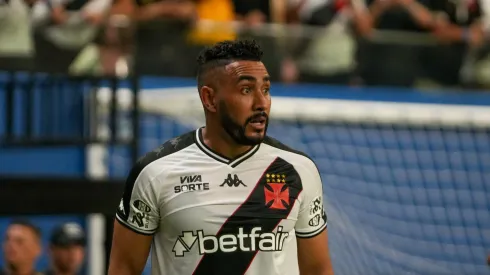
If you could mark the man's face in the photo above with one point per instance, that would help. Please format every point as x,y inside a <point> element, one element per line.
<point>21,246</point>
<point>67,259</point>
<point>245,102</point>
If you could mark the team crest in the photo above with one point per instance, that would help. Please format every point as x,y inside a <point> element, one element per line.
<point>276,192</point>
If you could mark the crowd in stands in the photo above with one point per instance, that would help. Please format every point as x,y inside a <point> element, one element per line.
<point>22,247</point>
<point>405,43</point>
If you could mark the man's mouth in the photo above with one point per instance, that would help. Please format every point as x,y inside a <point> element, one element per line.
<point>258,122</point>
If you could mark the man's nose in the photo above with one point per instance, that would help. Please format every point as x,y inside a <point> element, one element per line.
<point>260,101</point>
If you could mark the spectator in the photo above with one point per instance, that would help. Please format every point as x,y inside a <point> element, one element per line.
<point>15,33</point>
<point>460,26</point>
<point>221,13</point>
<point>327,55</point>
<point>64,28</point>
<point>390,64</point>
<point>257,12</point>
<point>67,250</point>
<point>160,34</point>
<point>22,248</point>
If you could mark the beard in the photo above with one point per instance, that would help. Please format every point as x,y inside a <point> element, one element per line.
<point>237,131</point>
<point>64,267</point>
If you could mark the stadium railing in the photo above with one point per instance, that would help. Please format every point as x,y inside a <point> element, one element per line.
<point>421,59</point>
<point>45,109</point>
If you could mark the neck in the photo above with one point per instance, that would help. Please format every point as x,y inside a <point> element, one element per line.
<point>57,271</point>
<point>219,141</point>
<point>20,270</point>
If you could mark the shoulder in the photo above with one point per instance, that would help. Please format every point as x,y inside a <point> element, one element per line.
<point>298,156</point>
<point>168,148</point>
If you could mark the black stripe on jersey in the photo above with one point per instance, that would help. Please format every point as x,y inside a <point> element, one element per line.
<point>123,223</point>
<point>253,212</point>
<point>277,144</point>
<point>311,234</point>
<point>217,156</point>
<point>169,147</point>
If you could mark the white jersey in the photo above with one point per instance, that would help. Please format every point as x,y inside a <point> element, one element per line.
<point>212,215</point>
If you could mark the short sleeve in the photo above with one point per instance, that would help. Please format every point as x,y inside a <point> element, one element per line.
<point>312,219</point>
<point>139,207</point>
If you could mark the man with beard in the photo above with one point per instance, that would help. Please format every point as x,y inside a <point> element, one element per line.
<point>67,250</point>
<point>21,248</point>
<point>225,198</point>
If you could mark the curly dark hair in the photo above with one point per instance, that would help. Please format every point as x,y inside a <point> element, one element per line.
<point>226,52</point>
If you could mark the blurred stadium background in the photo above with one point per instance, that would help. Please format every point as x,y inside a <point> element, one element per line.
<point>393,108</point>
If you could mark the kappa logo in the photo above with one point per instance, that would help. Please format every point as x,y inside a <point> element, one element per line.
<point>254,240</point>
<point>121,208</point>
<point>232,181</point>
<point>276,192</point>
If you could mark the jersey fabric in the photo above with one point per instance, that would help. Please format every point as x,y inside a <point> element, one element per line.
<point>212,215</point>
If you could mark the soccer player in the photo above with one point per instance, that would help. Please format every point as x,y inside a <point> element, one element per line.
<point>224,199</point>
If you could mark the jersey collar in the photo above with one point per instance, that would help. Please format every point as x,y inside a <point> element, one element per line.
<point>217,156</point>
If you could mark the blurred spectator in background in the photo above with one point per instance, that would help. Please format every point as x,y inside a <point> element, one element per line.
<point>15,34</point>
<point>258,12</point>
<point>327,55</point>
<point>459,24</point>
<point>159,44</point>
<point>214,22</point>
<point>67,250</point>
<point>22,248</point>
<point>64,28</point>
<point>254,14</point>
<point>394,64</point>
<point>460,27</point>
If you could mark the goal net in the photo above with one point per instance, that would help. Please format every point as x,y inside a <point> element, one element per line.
<point>407,185</point>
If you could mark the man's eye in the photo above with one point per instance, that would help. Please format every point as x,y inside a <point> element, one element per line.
<point>246,90</point>
<point>267,91</point>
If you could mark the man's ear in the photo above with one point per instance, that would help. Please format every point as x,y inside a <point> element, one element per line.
<point>208,98</point>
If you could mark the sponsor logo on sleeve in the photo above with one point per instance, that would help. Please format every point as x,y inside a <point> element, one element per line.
<point>141,214</point>
<point>317,212</point>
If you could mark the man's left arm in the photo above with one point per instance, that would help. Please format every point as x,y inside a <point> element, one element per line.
<point>473,35</point>
<point>311,227</point>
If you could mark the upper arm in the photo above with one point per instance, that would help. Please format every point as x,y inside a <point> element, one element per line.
<point>129,251</point>
<point>311,233</point>
<point>97,6</point>
<point>123,7</point>
<point>137,219</point>
<point>278,10</point>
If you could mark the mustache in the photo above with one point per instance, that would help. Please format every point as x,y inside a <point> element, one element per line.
<point>257,116</point>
